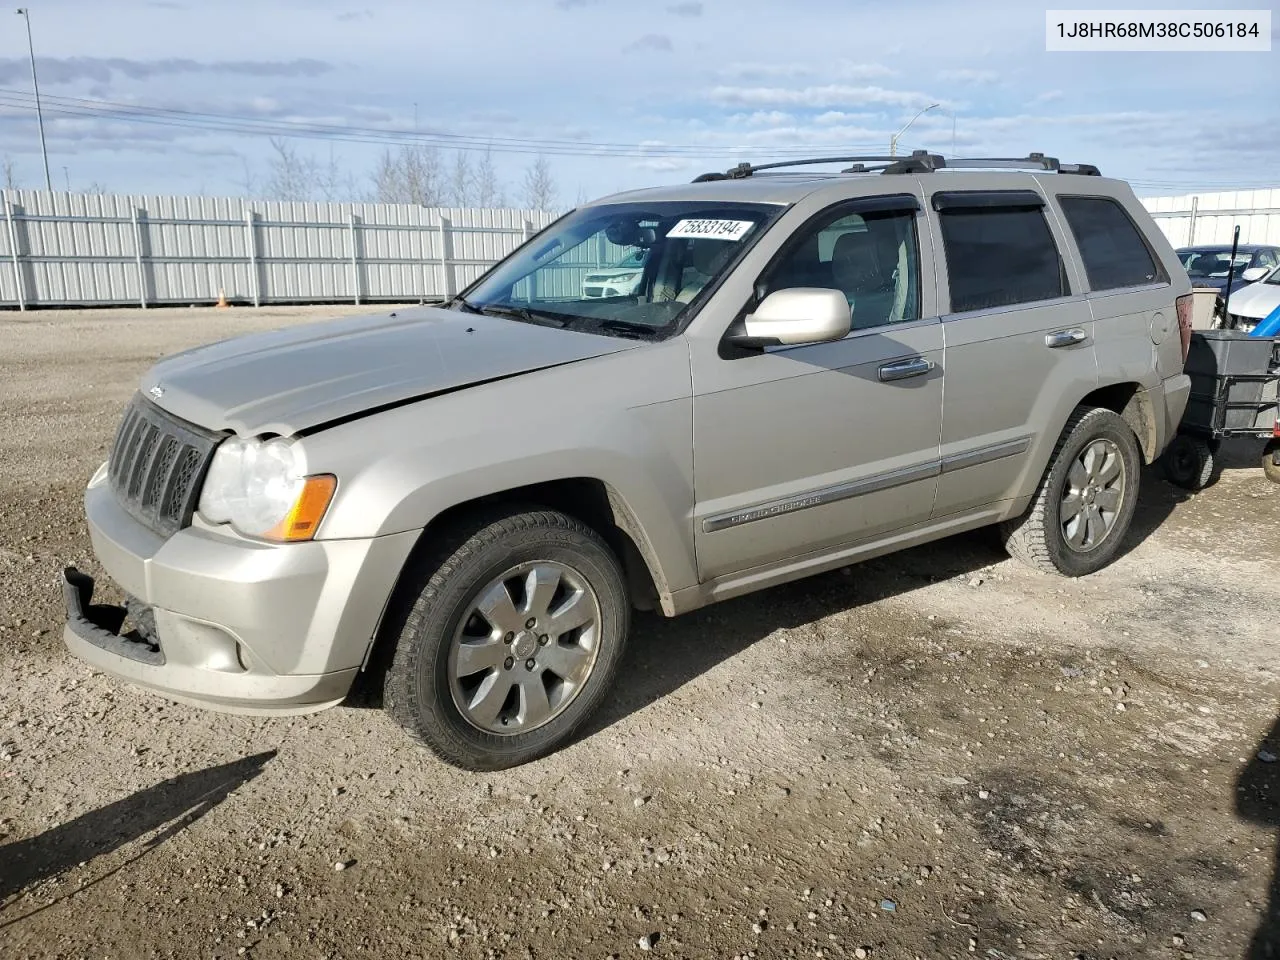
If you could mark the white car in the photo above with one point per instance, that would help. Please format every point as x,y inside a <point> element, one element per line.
<point>1252,304</point>
<point>620,280</point>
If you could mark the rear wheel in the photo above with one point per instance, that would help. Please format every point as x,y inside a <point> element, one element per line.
<point>1085,502</point>
<point>511,641</point>
<point>1271,461</point>
<point>1189,462</point>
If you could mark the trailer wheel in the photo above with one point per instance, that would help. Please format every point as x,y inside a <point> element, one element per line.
<point>1271,461</point>
<point>1189,462</point>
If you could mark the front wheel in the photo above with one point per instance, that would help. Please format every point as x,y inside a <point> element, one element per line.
<point>1271,460</point>
<point>513,639</point>
<point>1086,499</point>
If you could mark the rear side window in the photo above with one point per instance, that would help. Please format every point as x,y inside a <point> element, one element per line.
<point>998,256</point>
<point>1114,253</point>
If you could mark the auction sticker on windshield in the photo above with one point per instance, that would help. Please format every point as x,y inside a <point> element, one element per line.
<point>711,229</point>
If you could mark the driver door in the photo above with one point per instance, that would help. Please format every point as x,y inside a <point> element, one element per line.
<point>799,450</point>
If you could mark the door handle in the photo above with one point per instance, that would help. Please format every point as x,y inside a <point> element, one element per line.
<point>902,369</point>
<point>1065,338</point>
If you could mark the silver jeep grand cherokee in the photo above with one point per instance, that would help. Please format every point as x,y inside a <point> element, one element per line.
<point>467,501</point>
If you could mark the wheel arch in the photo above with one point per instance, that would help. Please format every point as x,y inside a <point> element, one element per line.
<point>594,502</point>
<point>1132,402</point>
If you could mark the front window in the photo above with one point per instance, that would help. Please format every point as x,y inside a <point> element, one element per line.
<point>1273,277</point>
<point>628,269</point>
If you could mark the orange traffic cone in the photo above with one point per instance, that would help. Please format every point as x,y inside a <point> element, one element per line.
<point>222,299</point>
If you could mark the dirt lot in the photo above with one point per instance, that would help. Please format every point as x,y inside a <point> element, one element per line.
<point>938,754</point>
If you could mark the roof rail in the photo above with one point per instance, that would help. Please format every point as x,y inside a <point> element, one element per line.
<point>920,161</point>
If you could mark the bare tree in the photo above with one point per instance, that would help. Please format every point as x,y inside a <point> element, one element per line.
<point>461,180</point>
<point>335,183</point>
<point>97,186</point>
<point>539,186</point>
<point>292,176</point>
<point>412,174</point>
<point>248,181</point>
<point>488,190</point>
<point>10,173</point>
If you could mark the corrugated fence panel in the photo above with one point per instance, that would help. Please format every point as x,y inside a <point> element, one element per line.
<point>1211,218</point>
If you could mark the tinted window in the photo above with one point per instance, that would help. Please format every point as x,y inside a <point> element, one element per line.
<point>998,256</point>
<point>1114,253</point>
<point>870,257</point>
<point>1266,258</point>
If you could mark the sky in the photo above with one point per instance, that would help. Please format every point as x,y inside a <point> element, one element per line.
<point>182,96</point>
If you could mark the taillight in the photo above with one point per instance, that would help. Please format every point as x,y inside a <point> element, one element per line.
<point>1184,306</point>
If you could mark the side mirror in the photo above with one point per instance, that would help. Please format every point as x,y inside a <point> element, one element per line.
<point>795,316</point>
<point>1254,274</point>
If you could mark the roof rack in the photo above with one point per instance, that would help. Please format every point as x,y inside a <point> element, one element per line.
<point>920,161</point>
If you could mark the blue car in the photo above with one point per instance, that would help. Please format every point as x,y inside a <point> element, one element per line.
<point>1207,266</point>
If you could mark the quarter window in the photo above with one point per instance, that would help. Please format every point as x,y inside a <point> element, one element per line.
<point>998,256</point>
<point>1113,251</point>
<point>870,257</point>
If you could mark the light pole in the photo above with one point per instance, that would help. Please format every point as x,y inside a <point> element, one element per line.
<point>35,85</point>
<point>893,141</point>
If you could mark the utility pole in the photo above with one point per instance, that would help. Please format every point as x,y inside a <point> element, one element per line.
<point>35,86</point>
<point>893,141</point>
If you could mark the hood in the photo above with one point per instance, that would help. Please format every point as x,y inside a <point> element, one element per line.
<point>291,380</point>
<point>1256,300</point>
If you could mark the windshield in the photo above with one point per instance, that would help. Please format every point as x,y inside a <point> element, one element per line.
<point>1273,277</point>
<point>626,269</point>
<point>1213,263</point>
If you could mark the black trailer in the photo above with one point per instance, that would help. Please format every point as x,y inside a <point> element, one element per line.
<point>1235,392</point>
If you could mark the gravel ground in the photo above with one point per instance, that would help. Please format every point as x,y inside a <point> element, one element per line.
<point>936,754</point>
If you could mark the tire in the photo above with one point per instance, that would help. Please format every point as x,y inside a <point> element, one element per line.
<point>494,718</point>
<point>1093,443</point>
<point>1271,460</point>
<point>1189,462</point>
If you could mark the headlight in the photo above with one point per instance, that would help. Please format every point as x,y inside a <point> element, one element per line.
<point>262,489</point>
<point>624,278</point>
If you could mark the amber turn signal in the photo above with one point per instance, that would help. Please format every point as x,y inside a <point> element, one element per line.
<point>302,521</point>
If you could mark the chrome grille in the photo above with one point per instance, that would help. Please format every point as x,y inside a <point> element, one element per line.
<point>157,464</point>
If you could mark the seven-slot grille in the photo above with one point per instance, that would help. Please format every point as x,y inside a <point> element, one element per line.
<point>157,465</point>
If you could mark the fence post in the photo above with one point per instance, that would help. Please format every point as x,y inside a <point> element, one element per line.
<point>1191,225</point>
<point>137,256</point>
<point>252,241</point>
<point>446,279</point>
<point>355,263</point>
<point>13,249</point>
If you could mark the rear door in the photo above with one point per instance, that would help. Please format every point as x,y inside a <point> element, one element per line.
<point>1019,339</point>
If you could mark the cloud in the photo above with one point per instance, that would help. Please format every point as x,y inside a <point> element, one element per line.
<point>661,164</point>
<point>840,70</point>
<point>104,69</point>
<point>166,5</point>
<point>688,9</point>
<point>1048,96</point>
<point>658,42</point>
<point>574,4</point>
<point>762,118</point>
<point>832,117</point>
<point>352,15</point>
<point>969,76</point>
<point>830,95</point>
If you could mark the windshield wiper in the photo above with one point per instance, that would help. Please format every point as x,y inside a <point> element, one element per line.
<point>625,327</point>
<point>465,304</point>
<point>523,313</point>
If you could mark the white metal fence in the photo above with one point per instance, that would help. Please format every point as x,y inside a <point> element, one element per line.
<point>67,249</point>
<point>81,249</point>
<point>1207,218</point>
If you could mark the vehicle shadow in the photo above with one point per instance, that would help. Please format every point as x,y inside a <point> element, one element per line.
<point>1258,801</point>
<point>174,804</point>
<point>665,654</point>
